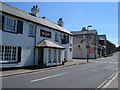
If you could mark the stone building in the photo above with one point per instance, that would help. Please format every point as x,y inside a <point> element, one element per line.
<point>85,43</point>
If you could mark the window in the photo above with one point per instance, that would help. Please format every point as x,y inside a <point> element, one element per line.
<point>65,39</point>
<point>70,49</point>
<point>59,56</point>
<point>54,55</point>
<point>49,56</point>
<point>31,30</point>
<point>42,33</point>
<point>56,37</point>
<point>8,53</point>
<point>10,24</point>
<point>46,34</point>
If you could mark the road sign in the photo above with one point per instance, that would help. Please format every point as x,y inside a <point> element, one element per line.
<point>87,46</point>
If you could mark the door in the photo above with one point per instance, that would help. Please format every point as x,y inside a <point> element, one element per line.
<point>40,56</point>
<point>65,55</point>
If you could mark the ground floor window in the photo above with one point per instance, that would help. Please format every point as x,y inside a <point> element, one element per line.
<point>10,53</point>
<point>59,56</point>
<point>49,56</point>
<point>54,55</point>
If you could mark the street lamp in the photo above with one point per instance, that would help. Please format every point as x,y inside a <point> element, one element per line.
<point>88,43</point>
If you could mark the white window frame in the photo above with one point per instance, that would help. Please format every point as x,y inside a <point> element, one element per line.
<point>2,54</point>
<point>56,37</point>
<point>10,27</point>
<point>31,32</point>
<point>49,56</point>
<point>54,56</point>
<point>59,55</point>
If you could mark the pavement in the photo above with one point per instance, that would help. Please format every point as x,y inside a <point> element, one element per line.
<point>24,71</point>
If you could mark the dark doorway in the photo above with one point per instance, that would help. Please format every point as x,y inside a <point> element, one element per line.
<point>40,56</point>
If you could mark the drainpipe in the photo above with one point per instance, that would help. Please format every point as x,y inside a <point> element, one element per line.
<point>34,47</point>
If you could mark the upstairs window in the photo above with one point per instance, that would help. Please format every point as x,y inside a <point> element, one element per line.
<point>65,39</point>
<point>31,30</point>
<point>45,33</point>
<point>56,37</point>
<point>10,24</point>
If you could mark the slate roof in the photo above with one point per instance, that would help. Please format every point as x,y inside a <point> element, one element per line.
<point>102,37</point>
<point>83,32</point>
<point>25,15</point>
<point>48,44</point>
<point>110,42</point>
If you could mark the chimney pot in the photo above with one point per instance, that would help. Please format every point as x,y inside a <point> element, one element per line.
<point>36,6</point>
<point>35,11</point>
<point>61,22</point>
<point>83,29</point>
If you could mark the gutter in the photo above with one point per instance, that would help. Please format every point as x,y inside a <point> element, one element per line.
<point>34,47</point>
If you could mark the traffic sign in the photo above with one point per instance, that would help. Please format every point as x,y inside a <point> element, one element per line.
<point>87,46</point>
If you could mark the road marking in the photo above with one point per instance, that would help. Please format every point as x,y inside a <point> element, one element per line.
<point>102,84</point>
<point>112,75</point>
<point>58,75</point>
<point>110,81</point>
<point>49,77</point>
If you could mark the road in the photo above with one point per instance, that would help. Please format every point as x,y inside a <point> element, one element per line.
<point>90,75</point>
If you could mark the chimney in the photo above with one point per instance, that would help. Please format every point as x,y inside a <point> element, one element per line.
<point>83,29</point>
<point>35,10</point>
<point>61,22</point>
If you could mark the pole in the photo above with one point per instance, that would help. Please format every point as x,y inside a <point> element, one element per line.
<point>87,45</point>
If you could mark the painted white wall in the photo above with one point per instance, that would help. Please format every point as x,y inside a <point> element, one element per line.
<point>27,44</point>
<point>67,46</point>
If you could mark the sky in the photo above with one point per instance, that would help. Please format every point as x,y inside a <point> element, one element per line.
<point>103,16</point>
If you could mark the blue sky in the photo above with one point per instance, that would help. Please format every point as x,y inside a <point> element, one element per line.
<point>103,16</point>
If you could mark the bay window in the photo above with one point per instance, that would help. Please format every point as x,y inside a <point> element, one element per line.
<point>49,56</point>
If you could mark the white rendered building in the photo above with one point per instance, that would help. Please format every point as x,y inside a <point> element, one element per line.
<point>30,40</point>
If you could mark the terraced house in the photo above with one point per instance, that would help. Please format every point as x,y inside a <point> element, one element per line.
<point>31,40</point>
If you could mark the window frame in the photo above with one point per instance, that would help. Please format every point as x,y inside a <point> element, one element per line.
<point>49,55</point>
<point>59,56</point>
<point>47,34</point>
<point>6,24</point>
<point>4,54</point>
<point>56,37</point>
<point>54,56</point>
<point>33,31</point>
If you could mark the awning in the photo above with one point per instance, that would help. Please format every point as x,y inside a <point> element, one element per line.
<point>48,44</point>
